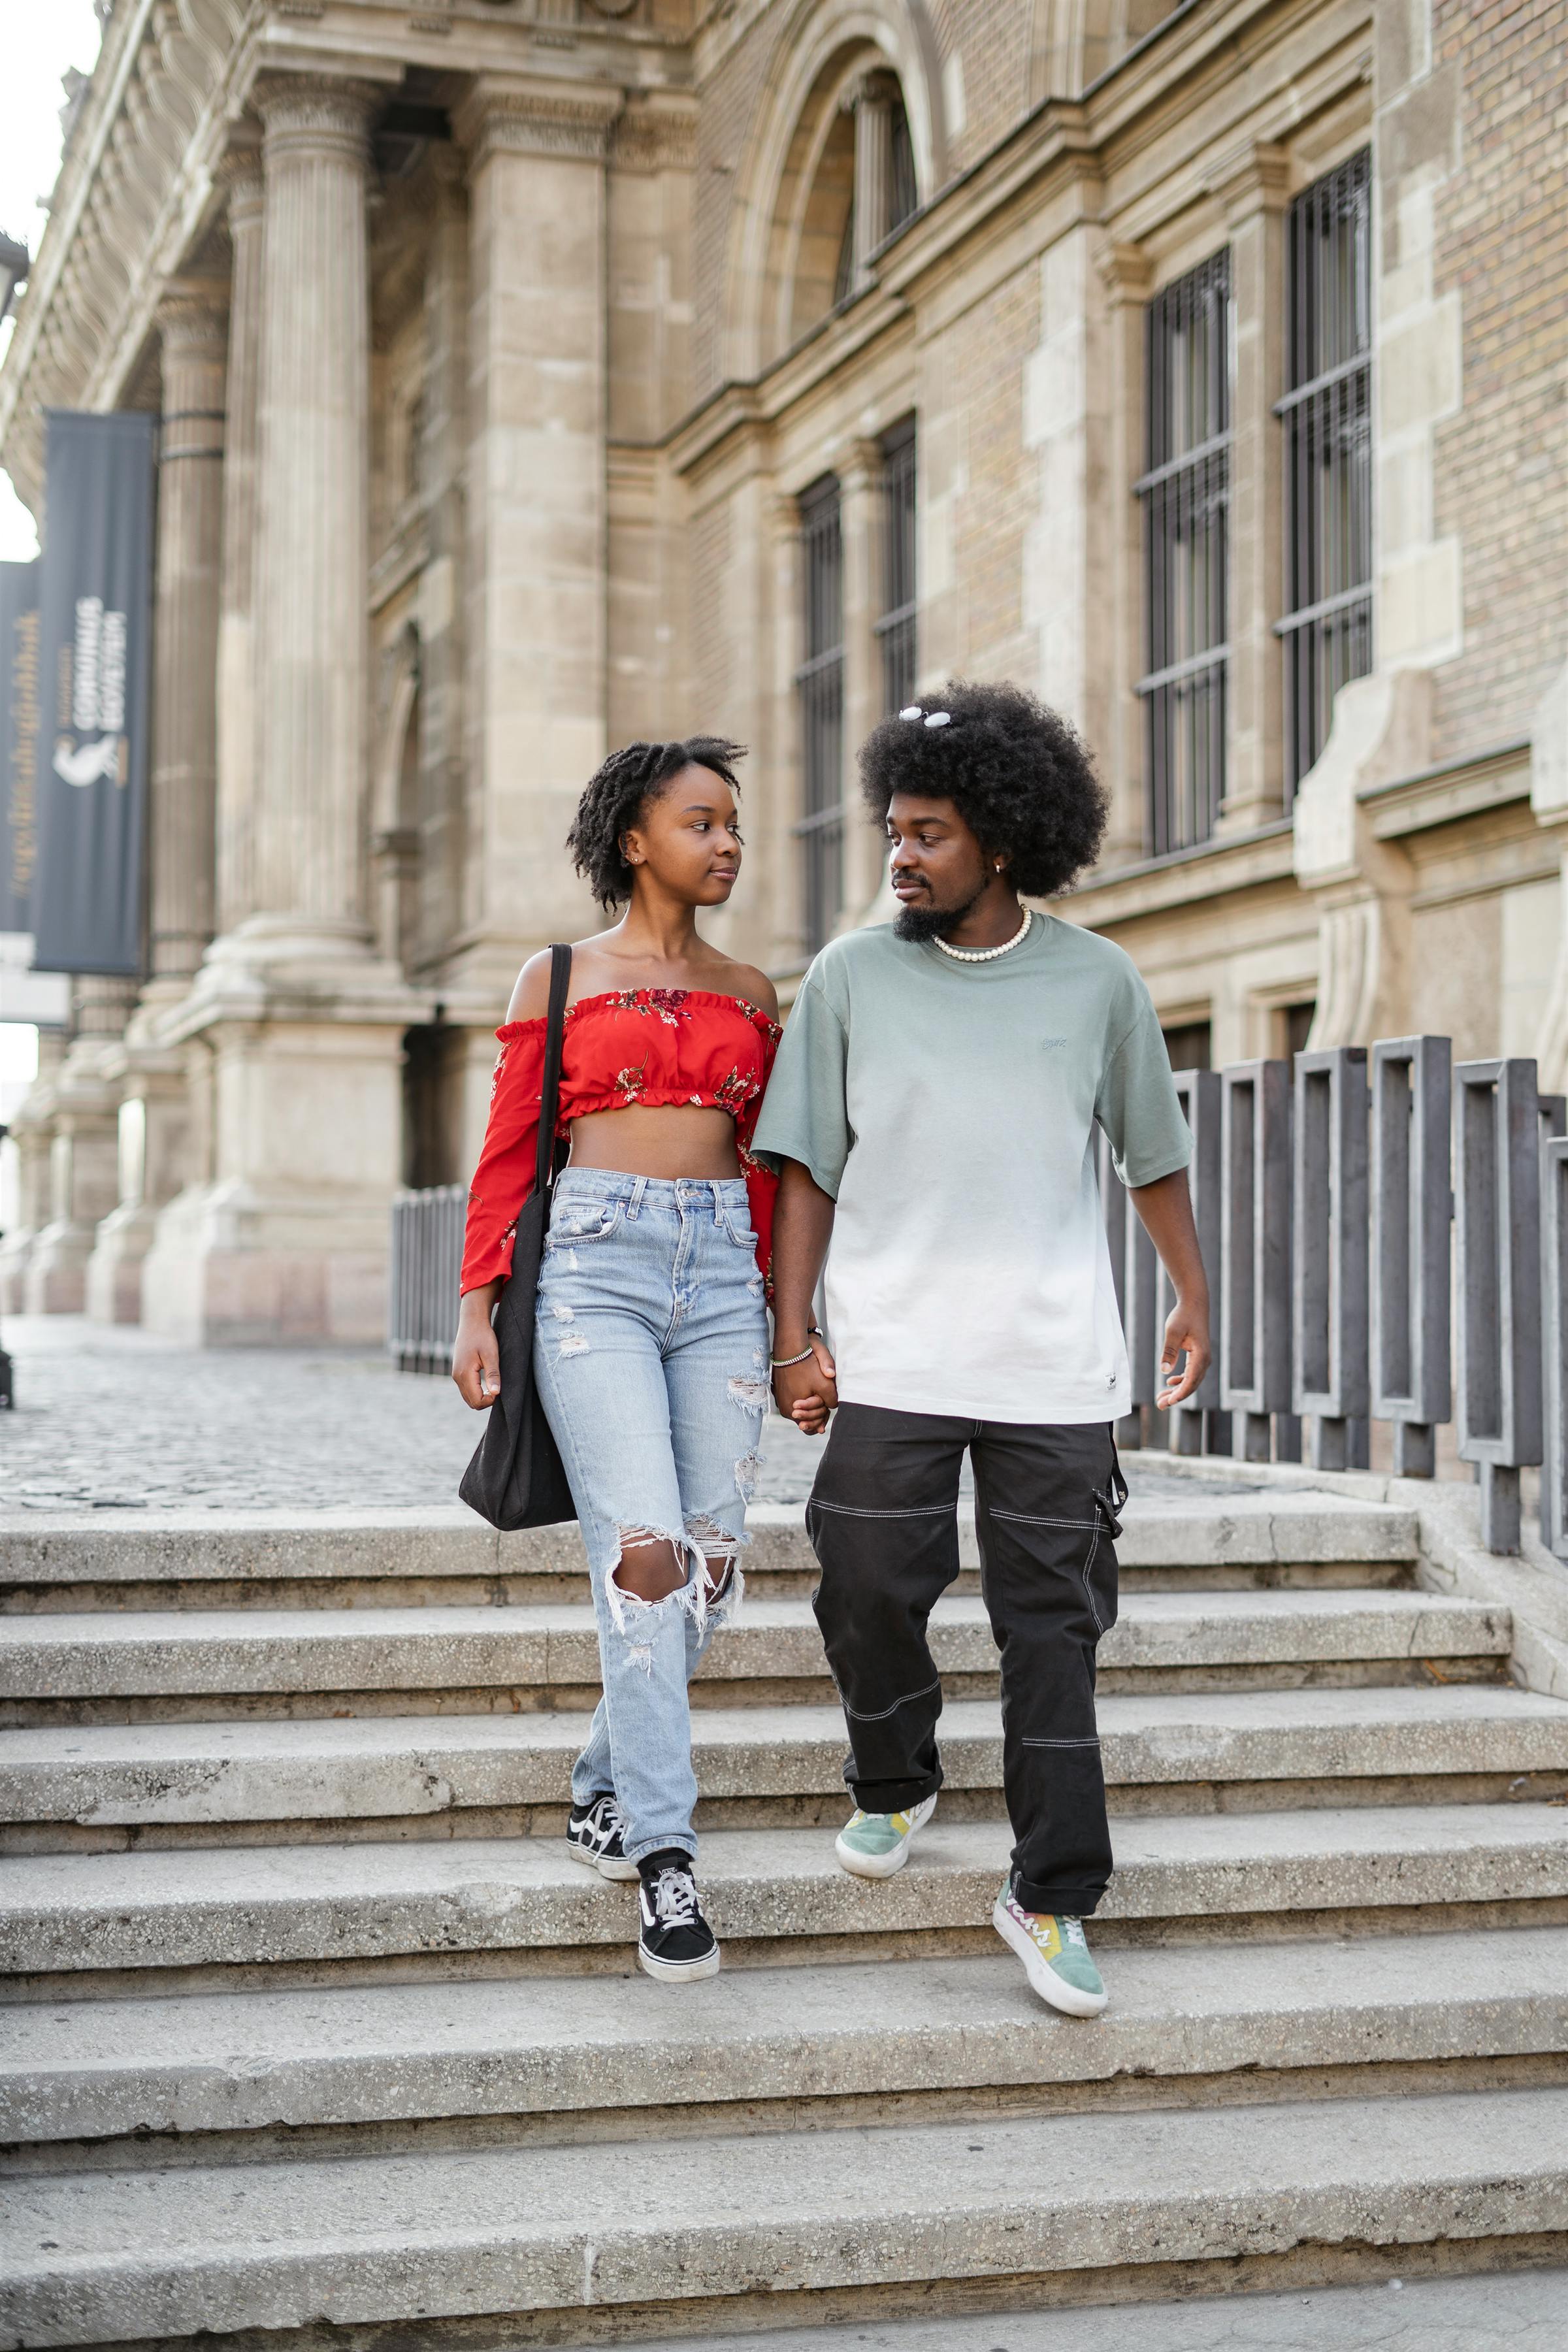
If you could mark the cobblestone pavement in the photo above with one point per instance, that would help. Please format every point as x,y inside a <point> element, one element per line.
<point>110,1415</point>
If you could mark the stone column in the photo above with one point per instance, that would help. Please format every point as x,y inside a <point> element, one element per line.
<point>536,504</point>
<point>236,654</point>
<point>147,1074</point>
<point>83,1106</point>
<point>870,99</point>
<point>31,1132</point>
<point>184,697</point>
<point>313,684</point>
<point>284,1234</point>
<point>1255,191</point>
<point>860,515</point>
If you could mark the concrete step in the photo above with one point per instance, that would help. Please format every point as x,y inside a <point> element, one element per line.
<point>1446,2311</point>
<point>1186,1528</point>
<point>463,1774</point>
<point>113,2257</point>
<point>482,1657</point>
<point>432,1906</point>
<point>565,2052</point>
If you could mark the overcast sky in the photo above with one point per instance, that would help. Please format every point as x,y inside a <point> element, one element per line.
<point>39,39</point>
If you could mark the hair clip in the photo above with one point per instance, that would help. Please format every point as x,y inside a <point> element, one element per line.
<point>913,710</point>
<point>932,717</point>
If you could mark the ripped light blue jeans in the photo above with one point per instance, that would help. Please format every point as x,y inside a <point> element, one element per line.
<point>651,1355</point>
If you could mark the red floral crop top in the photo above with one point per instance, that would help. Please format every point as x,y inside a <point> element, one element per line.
<point>656,1046</point>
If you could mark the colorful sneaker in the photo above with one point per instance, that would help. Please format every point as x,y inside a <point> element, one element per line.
<point>1054,1952</point>
<point>873,1845</point>
<point>595,1833</point>
<point>676,1941</point>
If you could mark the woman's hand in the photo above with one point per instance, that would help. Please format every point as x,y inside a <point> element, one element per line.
<point>475,1358</point>
<point>806,1392</point>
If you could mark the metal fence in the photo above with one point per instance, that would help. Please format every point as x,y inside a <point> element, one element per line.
<point>427,1267</point>
<point>1386,1235</point>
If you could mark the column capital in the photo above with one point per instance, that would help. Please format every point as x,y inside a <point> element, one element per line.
<point>875,85</point>
<point>1251,178</point>
<point>193,319</point>
<point>316,114</point>
<point>524,114</point>
<point>861,467</point>
<point>239,175</point>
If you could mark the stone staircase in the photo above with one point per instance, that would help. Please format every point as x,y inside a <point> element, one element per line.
<point>312,2027</point>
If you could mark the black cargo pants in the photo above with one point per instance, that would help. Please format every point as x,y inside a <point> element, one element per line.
<point>883,1522</point>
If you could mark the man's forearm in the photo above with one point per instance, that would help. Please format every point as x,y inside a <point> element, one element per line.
<point>1165,1209</point>
<point>803,1227</point>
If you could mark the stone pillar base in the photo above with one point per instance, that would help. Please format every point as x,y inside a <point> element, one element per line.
<point>227,1270</point>
<point>114,1269</point>
<point>54,1280</point>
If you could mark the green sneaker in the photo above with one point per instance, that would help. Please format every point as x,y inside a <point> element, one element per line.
<point>873,1845</point>
<point>1054,1952</point>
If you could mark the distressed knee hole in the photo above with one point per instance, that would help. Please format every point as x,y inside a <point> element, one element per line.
<point>723,1581</point>
<point>751,1395</point>
<point>572,1343</point>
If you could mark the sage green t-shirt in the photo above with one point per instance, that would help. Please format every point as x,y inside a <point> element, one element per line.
<point>950,1109</point>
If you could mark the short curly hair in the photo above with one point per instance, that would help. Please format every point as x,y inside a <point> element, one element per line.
<point>615,795</point>
<point>1019,774</point>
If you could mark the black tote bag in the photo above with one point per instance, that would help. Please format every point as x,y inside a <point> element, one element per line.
<point>516,1478</point>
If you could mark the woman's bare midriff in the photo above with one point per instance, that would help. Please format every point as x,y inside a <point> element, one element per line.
<point>667,1140</point>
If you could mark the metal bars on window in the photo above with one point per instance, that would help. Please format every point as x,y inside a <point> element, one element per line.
<point>1185,493</point>
<point>895,627</point>
<point>1327,415</point>
<point>819,683</point>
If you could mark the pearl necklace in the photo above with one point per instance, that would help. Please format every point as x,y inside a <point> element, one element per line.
<point>989,955</point>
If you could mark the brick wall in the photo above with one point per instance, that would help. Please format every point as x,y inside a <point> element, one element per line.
<point>985,356</point>
<point>1502,466</point>
<point>991,37</point>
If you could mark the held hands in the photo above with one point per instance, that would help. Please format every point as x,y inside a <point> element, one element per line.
<point>1186,1333</point>
<point>475,1358</point>
<point>806,1392</point>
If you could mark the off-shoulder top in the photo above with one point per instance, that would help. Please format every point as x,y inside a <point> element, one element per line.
<point>654,1046</point>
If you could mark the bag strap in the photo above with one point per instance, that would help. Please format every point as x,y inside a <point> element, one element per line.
<point>549,1098</point>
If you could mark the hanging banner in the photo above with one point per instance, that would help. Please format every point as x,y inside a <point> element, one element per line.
<point>94,659</point>
<point>19,741</point>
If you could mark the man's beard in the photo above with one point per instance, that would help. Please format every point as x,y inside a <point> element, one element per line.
<point>917,923</point>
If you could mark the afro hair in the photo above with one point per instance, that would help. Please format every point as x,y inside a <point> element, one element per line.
<point>615,795</point>
<point>1016,773</point>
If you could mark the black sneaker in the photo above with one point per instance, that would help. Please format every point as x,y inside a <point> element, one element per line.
<point>594,1835</point>
<point>676,1940</point>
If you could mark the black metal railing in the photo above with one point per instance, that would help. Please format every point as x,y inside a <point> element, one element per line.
<point>427,1267</point>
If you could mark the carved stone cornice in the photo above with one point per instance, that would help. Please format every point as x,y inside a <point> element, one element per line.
<point>1125,272</point>
<point>658,133</point>
<point>309,117</point>
<point>1251,178</point>
<point>514,115</point>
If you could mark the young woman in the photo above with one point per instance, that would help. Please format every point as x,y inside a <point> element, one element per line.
<point>651,1339</point>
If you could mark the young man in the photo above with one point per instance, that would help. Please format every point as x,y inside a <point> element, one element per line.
<point>933,1113</point>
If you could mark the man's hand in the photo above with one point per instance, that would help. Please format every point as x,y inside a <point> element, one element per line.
<point>475,1358</point>
<point>1186,1333</point>
<point>806,1392</point>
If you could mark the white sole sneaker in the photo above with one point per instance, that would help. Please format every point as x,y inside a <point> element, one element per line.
<point>608,1865</point>
<point>679,1971</point>
<point>1047,1983</point>
<point>884,1865</point>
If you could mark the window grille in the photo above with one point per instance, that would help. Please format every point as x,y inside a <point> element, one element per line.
<point>1327,414</point>
<point>1185,493</point>
<point>895,627</point>
<point>819,682</point>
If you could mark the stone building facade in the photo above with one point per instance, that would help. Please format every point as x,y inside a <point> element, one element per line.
<point>537,373</point>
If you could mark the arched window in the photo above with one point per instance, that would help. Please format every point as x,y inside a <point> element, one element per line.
<point>864,190</point>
